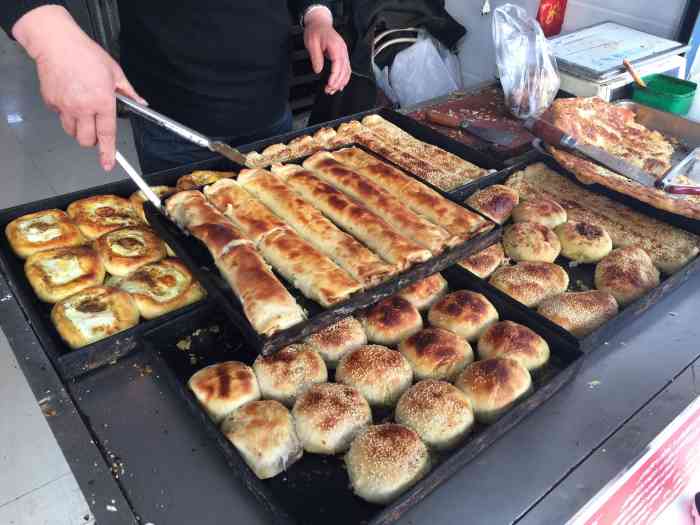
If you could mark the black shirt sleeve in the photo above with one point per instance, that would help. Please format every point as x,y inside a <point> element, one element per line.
<point>298,7</point>
<point>13,10</point>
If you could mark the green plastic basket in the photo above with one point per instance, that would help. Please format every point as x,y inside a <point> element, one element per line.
<point>666,93</point>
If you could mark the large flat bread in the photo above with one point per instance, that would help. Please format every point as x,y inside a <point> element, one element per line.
<point>267,304</point>
<point>379,201</point>
<point>416,196</point>
<point>354,218</point>
<point>314,227</point>
<point>307,269</point>
<point>613,128</point>
<point>450,164</point>
<point>254,219</point>
<point>670,248</point>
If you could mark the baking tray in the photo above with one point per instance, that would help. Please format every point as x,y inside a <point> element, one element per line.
<point>581,275</point>
<point>72,363</point>
<point>316,489</point>
<point>197,257</point>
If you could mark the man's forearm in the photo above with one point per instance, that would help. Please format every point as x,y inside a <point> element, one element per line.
<point>12,10</point>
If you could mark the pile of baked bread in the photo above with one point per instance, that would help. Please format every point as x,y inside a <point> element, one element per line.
<point>552,218</point>
<point>438,360</point>
<point>101,266</point>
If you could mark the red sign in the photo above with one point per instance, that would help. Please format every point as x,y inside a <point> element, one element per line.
<point>550,15</point>
<point>642,492</point>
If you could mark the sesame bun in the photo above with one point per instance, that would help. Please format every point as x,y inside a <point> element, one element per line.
<point>509,339</point>
<point>424,293</point>
<point>336,340</point>
<point>579,312</point>
<point>465,313</point>
<point>328,416</point>
<point>540,210</point>
<point>434,353</point>
<point>439,412</point>
<point>493,386</point>
<point>391,320</point>
<point>531,282</point>
<point>496,202</point>
<point>626,273</point>
<point>385,461</point>
<point>529,241</point>
<point>380,374</point>
<point>283,375</point>
<point>583,242</point>
<point>263,432</point>
<point>223,387</point>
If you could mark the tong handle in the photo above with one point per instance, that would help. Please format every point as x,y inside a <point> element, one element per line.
<point>443,119</point>
<point>549,134</point>
<point>682,190</point>
<point>165,122</point>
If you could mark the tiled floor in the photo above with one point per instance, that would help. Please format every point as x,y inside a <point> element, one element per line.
<point>37,160</point>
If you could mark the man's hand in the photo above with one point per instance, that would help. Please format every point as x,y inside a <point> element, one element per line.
<point>321,39</point>
<point>78,78</point>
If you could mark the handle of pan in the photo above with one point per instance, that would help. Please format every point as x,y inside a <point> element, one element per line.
<point>165,122</point>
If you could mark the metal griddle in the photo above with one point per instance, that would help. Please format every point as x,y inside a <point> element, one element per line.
<point>316,489</point>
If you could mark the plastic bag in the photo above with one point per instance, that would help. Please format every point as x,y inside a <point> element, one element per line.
<point>420,72</point>
<point>526,64</point>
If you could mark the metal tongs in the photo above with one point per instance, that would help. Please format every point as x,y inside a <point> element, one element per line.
<point>183,131</point>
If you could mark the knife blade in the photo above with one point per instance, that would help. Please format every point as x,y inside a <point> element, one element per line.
<point>183,131</point>
<point>499,137</point>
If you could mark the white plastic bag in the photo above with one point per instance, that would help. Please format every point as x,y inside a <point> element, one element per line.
<point>526,65</point>
<point>420,72</point>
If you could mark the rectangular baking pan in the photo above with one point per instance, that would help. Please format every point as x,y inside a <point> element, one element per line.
<point>316,489</point>
<point>72,363</point>
<point>581,275</point>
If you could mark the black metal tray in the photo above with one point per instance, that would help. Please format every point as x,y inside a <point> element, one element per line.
<point>196,256</point>
<point>581,275</point>
<point>72,363</point>
<point>316,488</point>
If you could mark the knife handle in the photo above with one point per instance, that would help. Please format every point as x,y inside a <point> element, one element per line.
<point>442,119</point>
<point>549,134</point>
<point>682,190</point>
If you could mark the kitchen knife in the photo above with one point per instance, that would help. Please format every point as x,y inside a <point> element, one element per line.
<point>556,137</point>
<point>499,137</point>
<point>183,131</point>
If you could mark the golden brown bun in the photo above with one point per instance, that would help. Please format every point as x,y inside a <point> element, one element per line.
<point>336,340</point>
<point>484,263</point>
<point>42,230</point>
<point>465,313</point>
<point>423,294</point>
<point>438,411</point>
<point>138,198</point>
<point>513,340</point>
<point>61,272</point>
<point>328,416</point>
<point>627,273</point>
<point>380,374</point>
<point>197,179</point>
<point>531,282</point>
<point>390,321</point>
<point>283,375</point>
<point>223,387</point>
<point>101,214</point>
<point>263,432</point>
<point>385,461</point>
<point>126,250</point>
<point>496,202</point>
<point>579,312</point>
<point>434,353</point>
<point>529,241</point>
<point>162,287</point>
<point>540,210</point>
<point>493,386</point>
<point>93,314</point>
<point>583,241</point>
